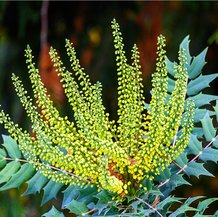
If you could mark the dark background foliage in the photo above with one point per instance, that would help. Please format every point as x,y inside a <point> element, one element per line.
<point>87,25</point>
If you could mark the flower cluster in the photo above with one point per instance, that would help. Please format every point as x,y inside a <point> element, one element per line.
<point>94,149</point>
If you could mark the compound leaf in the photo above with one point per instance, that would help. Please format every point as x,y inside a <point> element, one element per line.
<point>203,205</point>
<point>196,169</point>
<point>203,99</point>
<point>11,147</point>
<point>200,83</point>
<point>182,209</point>
<point>197,64</point>
<point>50,191</point>
<point>53,212</point>
<point>208,128</point>
<point>200,113</point>
<point>35,184</point>
<point>194,146</point>
<point>70,193</point>
<point>24,173</point>
<point>209,154</point>
<point>2,158</point>
<point>78,208</point>
<point>7,172</point>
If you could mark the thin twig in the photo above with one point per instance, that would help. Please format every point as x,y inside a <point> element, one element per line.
<point>46,165</point>
<point>151,207</point>
<point>90,211</point>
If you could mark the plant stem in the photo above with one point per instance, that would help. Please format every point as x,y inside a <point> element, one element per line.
<point>151,207</point>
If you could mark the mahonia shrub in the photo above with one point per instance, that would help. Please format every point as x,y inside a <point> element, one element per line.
<point>123,168</point>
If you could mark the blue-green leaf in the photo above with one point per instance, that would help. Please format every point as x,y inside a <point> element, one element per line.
<point>208,128</point>
<point>209,154</point>
<point>203,205</point>
<point>78,208</point>
<point>203,99</point>
<point>215,142</point>
<point>170,67</point>
<point>196,169</point>
<point>177,180</point>
<point>216,110</point>
<point>198,131</point>
<point>163,176</point>
<point>200,83</point>
<point>53,212</point>
<point>192,199</point>
<point>50,191</point>
<point>70,193</point>
<point>35,184</point>
<point>171,85</point>
<point>194,146</point>
<point>181,210</point>
<point>24,173</point>
<point>148,184</point>
<point>2,158</point>
<point>8,171</point>
<point>200,113</point>
<point>11,147</point>
<point>168,201</point>
<point>87,194</point>
<point>185,45</point>
<point>197,64</point>
<point>182,160</point>
<point>104,196</point>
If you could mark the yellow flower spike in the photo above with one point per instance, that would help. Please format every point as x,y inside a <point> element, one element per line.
<point>94,149</point>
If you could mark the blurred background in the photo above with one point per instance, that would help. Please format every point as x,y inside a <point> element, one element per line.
<point>87,25</point>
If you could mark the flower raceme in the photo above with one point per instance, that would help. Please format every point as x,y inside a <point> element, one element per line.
<point>95,150</point>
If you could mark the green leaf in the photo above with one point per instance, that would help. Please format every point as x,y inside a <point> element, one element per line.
<point>209,154</point>
<point>203,205</point>
<point>87,194</point>
<point>24,173</point>
<point>194,146</point>
<point>200,83</point>
<point>196,169</point>
<point>2,158</point>
<point>53,212</point>
<point>35,184</point>
<point>203,99</point>
<point>209,130</point>
<point>50,191</point>
<point>78,208</point>
<point>104,196</point>
<point>197,64</point>
<point>148,184</point>
<point>11,147</point>
<point>8,171</point>
<point>70,193</point>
